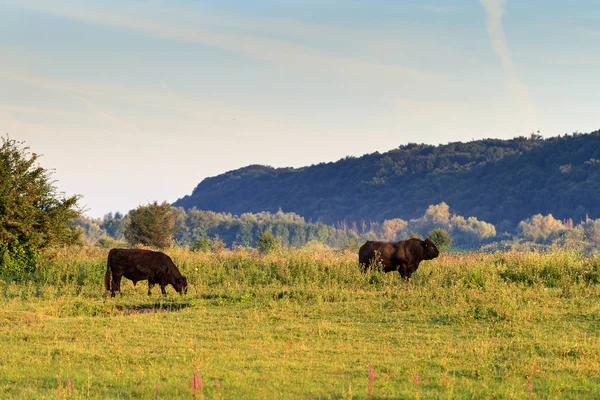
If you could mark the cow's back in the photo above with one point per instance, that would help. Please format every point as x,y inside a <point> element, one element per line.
<point>372,249</point>
<point>145,262</point>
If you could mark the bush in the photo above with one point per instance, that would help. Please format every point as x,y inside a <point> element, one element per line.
<point>16,263</point>
<point>352,245</point>
<point>151,225</point>
<point>107,242</point>
<point>207,245</point>
<point>441,238</point>
<point>33,214</point>
<point>268,243</point>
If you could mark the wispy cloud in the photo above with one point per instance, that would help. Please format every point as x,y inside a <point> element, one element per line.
<point>518,89</point>
<point>275,50</point>
<point>126,108</point>
<point>440,9</point>
<point>71,91</point>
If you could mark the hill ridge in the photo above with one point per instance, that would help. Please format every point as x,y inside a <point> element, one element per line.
<point>502,181</point>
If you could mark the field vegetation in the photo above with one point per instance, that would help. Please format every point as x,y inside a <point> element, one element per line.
<point>305,323</point>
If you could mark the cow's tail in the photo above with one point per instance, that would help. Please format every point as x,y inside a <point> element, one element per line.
<point>107,276</point>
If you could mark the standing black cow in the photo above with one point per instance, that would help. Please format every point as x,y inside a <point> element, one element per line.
<point>139,265</point>
<point>403,256</point>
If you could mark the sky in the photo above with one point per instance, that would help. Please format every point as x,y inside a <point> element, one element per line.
<point>132,101</point>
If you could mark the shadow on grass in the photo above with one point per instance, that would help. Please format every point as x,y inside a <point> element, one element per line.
<point>148,308</point>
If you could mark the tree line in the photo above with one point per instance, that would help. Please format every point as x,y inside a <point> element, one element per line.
<point>498,181</point>
<point>208,230</point>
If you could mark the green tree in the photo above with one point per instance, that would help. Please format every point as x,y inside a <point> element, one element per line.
<point>471,232</point>
<point>207,245</point>
<point>151,225</point>
<point>391,228</point>
<point>299,236</point>
<point>113,225</point>
<point>540,227</point>
<point>436,216</point>
<point>245,234</point>
<point>107,242</point>
<point>91,229</point>
<point>352,244</point>
<point>592,230</point>
<point>33,214</point>
<point>441,238</point>
<point>268,243</point>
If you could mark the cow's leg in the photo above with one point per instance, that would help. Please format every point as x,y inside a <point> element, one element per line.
<point>404,272</point>
<point>150,286</point>
<point>162,289</point>
<point>115,285</point>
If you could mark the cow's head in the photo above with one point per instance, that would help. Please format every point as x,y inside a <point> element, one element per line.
<point>430,251</point>
<point>180,284</point>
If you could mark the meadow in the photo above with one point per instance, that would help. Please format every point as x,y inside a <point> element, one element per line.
<point>305,324</point>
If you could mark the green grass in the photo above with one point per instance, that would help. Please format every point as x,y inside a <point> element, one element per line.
<point>304,325</point>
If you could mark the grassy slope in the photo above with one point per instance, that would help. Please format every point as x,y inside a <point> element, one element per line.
<point>302,325</point>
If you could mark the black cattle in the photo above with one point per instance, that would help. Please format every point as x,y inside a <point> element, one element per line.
<point>403,256</point>
<point>139,265</point>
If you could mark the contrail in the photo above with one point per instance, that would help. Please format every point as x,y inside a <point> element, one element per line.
<point>494,10</point>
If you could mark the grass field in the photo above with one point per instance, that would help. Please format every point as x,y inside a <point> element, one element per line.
<point>306,324</point>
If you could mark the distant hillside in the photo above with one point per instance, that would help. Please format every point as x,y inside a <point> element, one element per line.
<point>498,181</point>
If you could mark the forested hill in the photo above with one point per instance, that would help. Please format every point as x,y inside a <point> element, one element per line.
<point>498,181</point>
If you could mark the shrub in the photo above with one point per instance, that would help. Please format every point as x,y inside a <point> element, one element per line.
<point>207,245</point>
<point>107,242</point>
<point>151,225</point>
<point>33,214</point>
<point>268,243</point>
<point>441,238</point>
<point>16,263</point>
<point>352,244</point>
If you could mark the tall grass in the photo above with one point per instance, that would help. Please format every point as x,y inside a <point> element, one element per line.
<point>306,323</point>
<point>245,268</point>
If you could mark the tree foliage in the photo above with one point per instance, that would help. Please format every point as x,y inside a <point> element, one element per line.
<point>466,232</point>
<point>441,238</point>
<point>113,225</point>
<point>540,227</point>
<point>91,228</point>
<point>392,228</point>
<point>292,230</point>
<point>151,225</point>
<point>501,182</point>
<point>33,214</point>
<point>210,231</point>
<point>268,243</point>
<point>207,245</point>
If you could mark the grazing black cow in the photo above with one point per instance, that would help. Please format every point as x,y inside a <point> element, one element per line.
<point>139,265</point>
<point>403,256</point>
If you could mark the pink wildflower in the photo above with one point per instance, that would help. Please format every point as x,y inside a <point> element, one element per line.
<point>371,379</point>
<point>531,390</point>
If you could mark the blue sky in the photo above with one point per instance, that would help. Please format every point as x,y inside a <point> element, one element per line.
<point>136,101</point>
